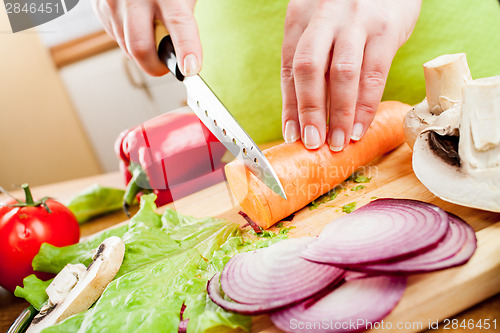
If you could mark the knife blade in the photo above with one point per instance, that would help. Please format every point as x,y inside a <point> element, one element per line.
<point>214,115</point>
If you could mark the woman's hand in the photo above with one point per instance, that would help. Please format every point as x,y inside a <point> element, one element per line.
<point>336,55</point>
<point>131,24</point>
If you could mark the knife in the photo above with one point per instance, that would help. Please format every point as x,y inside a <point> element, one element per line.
<point>210,110</point>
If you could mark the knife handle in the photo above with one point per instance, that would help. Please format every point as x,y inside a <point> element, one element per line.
<point>165,49</point>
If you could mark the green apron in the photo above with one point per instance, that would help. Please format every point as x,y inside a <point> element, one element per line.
<point>242,47</point>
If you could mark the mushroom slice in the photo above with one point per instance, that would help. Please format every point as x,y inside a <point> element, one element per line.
<point>62,284</point>
<point>445,78</point>
<point>77,287</point>
<point>465,170</point>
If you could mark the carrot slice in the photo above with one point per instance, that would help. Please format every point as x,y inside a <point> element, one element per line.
<point>307,174</point>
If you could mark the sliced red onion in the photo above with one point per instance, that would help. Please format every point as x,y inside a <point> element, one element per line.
<point>387,236</point>
<point>276,273</point>
<point>385,229</point>
<point>183,326</point>
<point>250,271</point>
<point>454,249</point>
<point>251,223</point>
<point>353,306</point>
<point>183,322</point>
<point>355,275</point>
<point>214,291</point>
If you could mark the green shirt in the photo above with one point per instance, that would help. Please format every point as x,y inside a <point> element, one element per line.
<point>242,39</point>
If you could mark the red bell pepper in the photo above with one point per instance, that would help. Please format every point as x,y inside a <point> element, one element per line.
<point>172,155</point>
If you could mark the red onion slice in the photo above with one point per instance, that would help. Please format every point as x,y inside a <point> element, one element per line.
<point>348,308</point>
<point>355,275</point>
<point>276,273</point>
<point>454,249</point>
<point>214,291</point>
<point>385,229</point>
<point>251,272</point>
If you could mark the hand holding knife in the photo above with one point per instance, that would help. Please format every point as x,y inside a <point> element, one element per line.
<point>216,117</point>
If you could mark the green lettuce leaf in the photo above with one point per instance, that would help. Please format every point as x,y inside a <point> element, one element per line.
<point>168,261</point>
<point>358,188</point>
<point>349,208</point>
<point>33,291</point>
<point>206,316</point>
<point>71,324</point>
<point>145,245</point>
<point>148,299</point>
<point>52,259</point>
<point>94,201</point>
<point>147,213</point>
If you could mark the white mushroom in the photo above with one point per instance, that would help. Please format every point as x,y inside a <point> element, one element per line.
<point>445,78</point>
<point>62,284</point>
<point>456,151</point>
<point>77,287</point>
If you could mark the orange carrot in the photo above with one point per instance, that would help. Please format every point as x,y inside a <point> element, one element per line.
<point>307,174</point>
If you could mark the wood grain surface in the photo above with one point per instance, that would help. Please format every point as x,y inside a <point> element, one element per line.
<point>429,297</point>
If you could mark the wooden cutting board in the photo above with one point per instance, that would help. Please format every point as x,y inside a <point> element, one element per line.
<point>429,297</point>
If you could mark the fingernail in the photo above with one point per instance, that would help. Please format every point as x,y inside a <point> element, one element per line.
<point>311,137</point>
<point>190,65</point>
<point>337,140</point>
<point>357,131</point>
<point>292,132</point>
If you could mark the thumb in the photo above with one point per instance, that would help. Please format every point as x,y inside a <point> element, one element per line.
<point>180,22</point>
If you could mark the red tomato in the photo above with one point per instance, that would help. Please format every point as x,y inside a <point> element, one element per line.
<point>22,232</point>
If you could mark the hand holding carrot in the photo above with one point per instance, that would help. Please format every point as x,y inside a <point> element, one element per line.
<point>336,55</point>
<point>307,174</point>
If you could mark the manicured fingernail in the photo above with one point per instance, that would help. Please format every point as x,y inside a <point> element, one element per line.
<point>190,65</point>
<point>337,140</point>
<point>292,132</point>
<point>311,137</point>
<point>357,131</point>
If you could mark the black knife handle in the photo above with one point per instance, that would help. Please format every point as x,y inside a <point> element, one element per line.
<point>166,51</point>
